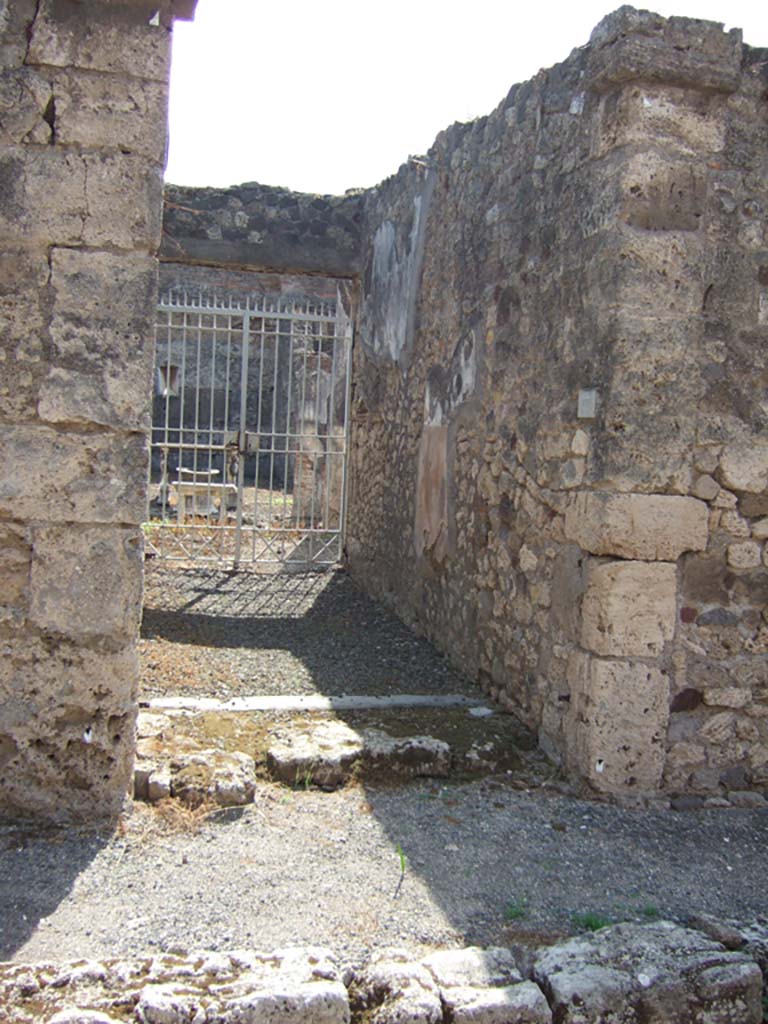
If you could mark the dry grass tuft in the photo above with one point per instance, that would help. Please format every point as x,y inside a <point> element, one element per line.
<point>179,818</point>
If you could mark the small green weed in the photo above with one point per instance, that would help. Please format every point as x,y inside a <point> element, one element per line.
<point>650,912</point>
<point>403,865</point>
<point>516,910</point>
<point>304,776</point>
<point>590,921</point>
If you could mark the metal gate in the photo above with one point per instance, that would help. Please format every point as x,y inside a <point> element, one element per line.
<point>249,430</point>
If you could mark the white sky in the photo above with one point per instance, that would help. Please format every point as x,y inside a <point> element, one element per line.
<point>326,95</point>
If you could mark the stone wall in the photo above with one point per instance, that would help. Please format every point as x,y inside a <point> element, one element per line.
<point>83,96</point>
<point>263,228</point>
<point>559,405</point>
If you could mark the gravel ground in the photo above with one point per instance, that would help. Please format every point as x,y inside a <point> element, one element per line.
<point>312,867</point>
<point>487,861</point>
<point>213,633</point>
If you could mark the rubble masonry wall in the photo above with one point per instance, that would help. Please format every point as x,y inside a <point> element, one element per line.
<point>83,99</point>
<point>559,468</point>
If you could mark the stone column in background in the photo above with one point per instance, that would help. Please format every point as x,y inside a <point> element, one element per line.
<point>83,102</point>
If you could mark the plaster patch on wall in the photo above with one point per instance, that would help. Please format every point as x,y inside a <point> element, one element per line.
<point>392,287</point>
<point>431,519</point>
<point>448,389</point>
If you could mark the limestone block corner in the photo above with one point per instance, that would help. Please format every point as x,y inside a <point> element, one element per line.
<point>629,608</point>
<point>645,527</point>
<point>616,724</point>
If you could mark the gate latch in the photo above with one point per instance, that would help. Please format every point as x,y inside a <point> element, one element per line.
<point>251,445</point>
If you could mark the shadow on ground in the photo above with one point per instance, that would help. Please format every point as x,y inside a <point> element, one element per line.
<point>220,634</point>
<point>39,871</point>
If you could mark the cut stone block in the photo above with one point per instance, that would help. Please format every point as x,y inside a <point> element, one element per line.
<point>24,352</point>
<point>648,527</point>
<point>397,989</point>
<point>124,202</point>
<point>14,27</point>
<point>32,210</point>
<point>329,752</point>
<point>68,477</point>
<point>626,46</point>
<point>658,972</point>
<point>71,713</point>
<point>24,98</point>
<point>692,121</point>
<point>101,332</point>
<point>113,200</point>
<point>629,608</point>
<point>616,724</point>
<point>317,1002</point>
<point>118,40</point>
<point>104,111</point>
<point>86,582</point>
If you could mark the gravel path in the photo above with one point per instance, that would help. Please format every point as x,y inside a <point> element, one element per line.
<point>212,633</point>
<point>487,862</point>
<point>313,867</point>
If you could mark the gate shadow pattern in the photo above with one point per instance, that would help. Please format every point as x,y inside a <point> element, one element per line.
<point>288,633</point>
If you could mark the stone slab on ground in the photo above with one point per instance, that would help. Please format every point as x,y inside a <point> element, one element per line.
<point>659,973</point>
<point>324,756</point>
<point>327,749</point>
<point>330,752</point>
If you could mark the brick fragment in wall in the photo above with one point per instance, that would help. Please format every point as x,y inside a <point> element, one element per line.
<point>616,723</point>
<point>629,608</point>
<point>637,526</point>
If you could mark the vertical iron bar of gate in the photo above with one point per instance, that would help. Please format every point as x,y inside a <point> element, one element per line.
<point>348,345</point>
<point>330,414</point>
<point>242,436</point>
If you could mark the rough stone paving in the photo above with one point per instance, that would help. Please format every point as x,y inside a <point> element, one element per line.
<point>654,972</point>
